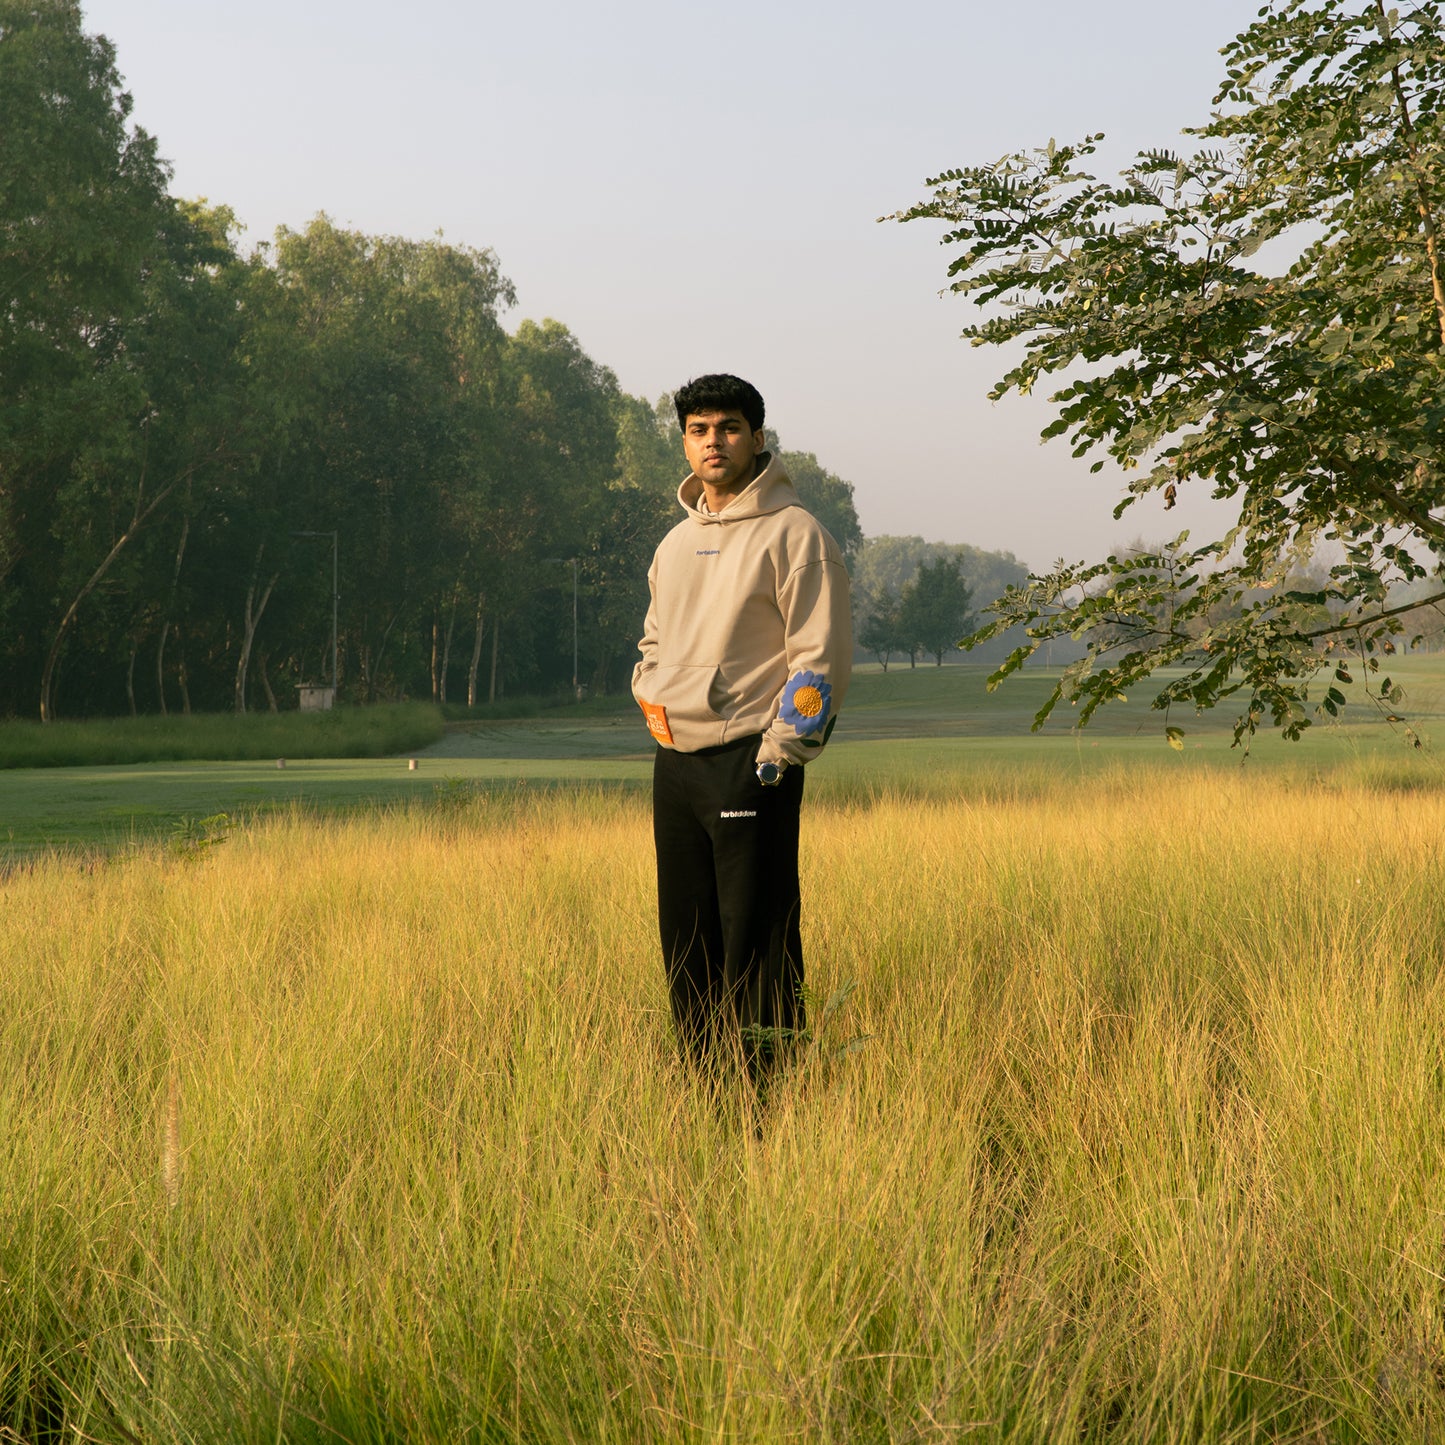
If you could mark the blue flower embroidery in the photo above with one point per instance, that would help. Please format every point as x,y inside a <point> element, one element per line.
<point>806,700</point>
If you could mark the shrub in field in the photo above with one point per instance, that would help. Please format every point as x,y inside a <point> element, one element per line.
<point>373,1130</point>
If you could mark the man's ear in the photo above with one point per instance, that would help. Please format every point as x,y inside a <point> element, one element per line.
<point>760,442</point>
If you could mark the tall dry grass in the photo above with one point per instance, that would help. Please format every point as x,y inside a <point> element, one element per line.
<point>371,1130</point>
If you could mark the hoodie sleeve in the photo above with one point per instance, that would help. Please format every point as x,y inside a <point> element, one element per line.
<point>818,640</point>
<point>647,644</point>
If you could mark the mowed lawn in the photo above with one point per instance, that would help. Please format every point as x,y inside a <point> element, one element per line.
<point>1121,1121</point>
<point>925,728</point>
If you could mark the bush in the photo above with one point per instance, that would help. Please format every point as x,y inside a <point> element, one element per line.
<point>344,732</point>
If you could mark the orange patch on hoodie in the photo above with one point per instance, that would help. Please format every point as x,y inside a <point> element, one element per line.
<point>656,716</point>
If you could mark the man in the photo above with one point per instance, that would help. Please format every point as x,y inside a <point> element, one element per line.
<point>746,653</point>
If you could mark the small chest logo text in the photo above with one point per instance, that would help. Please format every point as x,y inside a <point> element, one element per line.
<point>738,813</point>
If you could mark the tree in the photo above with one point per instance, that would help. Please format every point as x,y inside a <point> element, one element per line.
<point>176,437</point>
<point>562,456</point>
<point>624,525</point>
<point>383,360</point>
<point>83,208</point>
<point>884,566</point>
<point>933,611</point>
<point>1313,393</point>
<point>881,632</point>
<point>828,497</point>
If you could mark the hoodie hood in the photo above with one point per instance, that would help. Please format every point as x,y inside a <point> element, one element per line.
<point>770,491</point>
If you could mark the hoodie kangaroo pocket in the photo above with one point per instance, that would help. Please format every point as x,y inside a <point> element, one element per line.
<point>687,690</point>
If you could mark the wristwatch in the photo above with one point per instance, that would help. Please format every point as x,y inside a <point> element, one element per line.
<point>771,774</point>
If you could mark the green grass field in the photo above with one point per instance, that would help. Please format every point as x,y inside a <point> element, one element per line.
<point>930,728</point>
<point>1121,1121</point>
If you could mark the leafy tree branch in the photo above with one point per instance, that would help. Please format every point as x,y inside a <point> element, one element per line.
<point>1310,393</point>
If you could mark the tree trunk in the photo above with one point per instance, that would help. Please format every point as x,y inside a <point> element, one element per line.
<point>435,639</point>
<point>496,633</point>
<point>375,669</point>
<point>130,675</point>
<point>476,655</point>
<point>47,676</point>
<point>266,681</point>
<point>161,667</point>
<point>447,650</point>
<point>165,616</point>
<point>184,678</point>
<point>254,610</point>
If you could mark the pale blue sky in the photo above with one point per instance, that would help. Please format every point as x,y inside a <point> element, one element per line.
<point>693,192</point>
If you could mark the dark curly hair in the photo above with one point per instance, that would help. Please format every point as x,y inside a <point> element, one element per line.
<point>719,392</point>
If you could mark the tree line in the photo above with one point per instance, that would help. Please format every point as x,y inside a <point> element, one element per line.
<point>193,435</point>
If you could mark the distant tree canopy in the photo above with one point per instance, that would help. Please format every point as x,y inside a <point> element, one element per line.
<point>933,611</point>
<point>186,432</point>
<point>829,498</point>
<point>189,435</point>
<point>1312,393</point>
<point>87,232</point>
<point>891,615</point>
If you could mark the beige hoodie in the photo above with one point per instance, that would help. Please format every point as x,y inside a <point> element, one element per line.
<point>749,629</point>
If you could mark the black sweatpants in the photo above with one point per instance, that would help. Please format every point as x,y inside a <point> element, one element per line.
<point>728,898</point>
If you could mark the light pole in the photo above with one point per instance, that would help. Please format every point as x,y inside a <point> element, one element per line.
<point>335,600</point>
<point>572,563</point>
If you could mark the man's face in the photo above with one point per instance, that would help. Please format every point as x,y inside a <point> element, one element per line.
<point>721,448</point>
